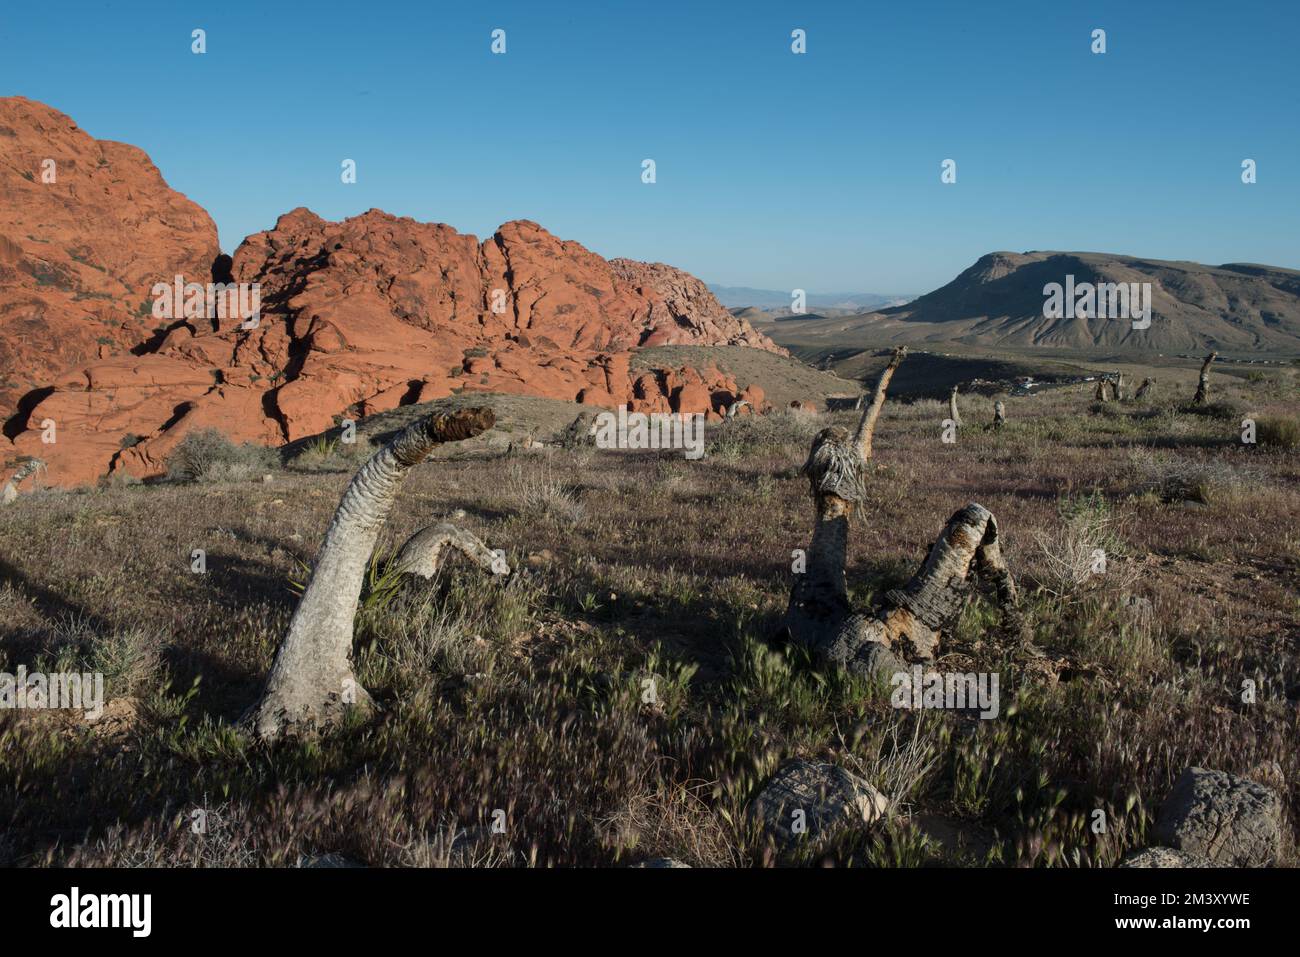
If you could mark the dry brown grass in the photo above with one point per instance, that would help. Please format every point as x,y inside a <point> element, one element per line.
<point>527,697</point>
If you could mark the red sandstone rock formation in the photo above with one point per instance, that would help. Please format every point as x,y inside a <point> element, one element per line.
<point>357,317</point>
<point>87,227</point>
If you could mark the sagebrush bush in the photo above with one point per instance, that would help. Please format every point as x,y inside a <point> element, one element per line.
<point>1278,431</point>
<point>1175,479</point>
<point>542,492</point>
<point>208,455</point>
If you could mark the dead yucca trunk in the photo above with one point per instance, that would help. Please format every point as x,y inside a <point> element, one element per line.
<point>1103,389</point>
<point>425,551</point>
<point>1203,387</point>
<point>911,620</point>
<point>953,412</point>
<point>311,684</point>
<point>1144,389</point>
<point>10,490</point>
<point>1119,387</point>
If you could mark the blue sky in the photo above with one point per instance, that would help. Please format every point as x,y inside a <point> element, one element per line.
<point>818,171</point>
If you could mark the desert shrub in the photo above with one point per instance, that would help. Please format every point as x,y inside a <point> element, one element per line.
<point>541,492</point>
<point>1174,479</point>
<point>1215,410</point>
<point>327,453</point>
<point>1076,550</point>
<point>775,432</point>
<point>1278,431</point>
<point>128,656</point>
<point>207,455</point>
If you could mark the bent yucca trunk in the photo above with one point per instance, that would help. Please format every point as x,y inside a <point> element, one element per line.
<point>912,620</point>
<point>423,552</point>
<point>953,412</point>
<point>10,490</point>
<point>311,684</point>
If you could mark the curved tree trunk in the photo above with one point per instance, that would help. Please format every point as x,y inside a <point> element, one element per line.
<point>867,426</point>
<point>423,552</point>
<point>1203,387</point>
<point>953,413</point>
<point>10,490</point>
<point>911,621</point>
<point>311,684</point>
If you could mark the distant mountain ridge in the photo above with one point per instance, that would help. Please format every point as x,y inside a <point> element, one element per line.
<point>734,297</point>
<point>999,300</point>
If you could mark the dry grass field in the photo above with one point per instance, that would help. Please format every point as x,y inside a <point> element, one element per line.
<point>527,696</point>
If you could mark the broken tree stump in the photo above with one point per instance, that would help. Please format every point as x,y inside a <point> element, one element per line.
<point>911,620</point>
<point>1203,387</point>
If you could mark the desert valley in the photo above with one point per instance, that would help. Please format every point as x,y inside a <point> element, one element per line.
<point>366,583</point>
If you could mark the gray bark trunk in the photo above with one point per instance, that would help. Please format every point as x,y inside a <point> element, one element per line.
<point>867,426</point>
<point>1203,387</point>
<point>953,413</point>
<point>911,620</point>
<point>424,551</point>
<point>311,684</point>
<point>10,490</point>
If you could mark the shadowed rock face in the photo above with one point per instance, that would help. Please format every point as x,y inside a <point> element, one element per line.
<point>357,317</point>
<point>79,255</point>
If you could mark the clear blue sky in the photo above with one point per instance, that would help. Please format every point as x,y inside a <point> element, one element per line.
<point>818,171</point>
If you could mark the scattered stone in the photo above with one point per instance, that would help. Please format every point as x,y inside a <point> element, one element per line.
<point>1163,857</point>
<point>1227,819</point>
<point>804,800</point>
<point>671,862</point>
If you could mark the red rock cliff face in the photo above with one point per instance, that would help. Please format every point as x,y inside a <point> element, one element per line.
<point>374,312</point>
<point>82,242</point>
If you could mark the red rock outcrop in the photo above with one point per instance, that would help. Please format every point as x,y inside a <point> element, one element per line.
<point>378,311</point>
<point>87,227</point>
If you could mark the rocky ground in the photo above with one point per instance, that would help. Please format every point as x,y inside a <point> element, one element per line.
<point>617,699</point>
